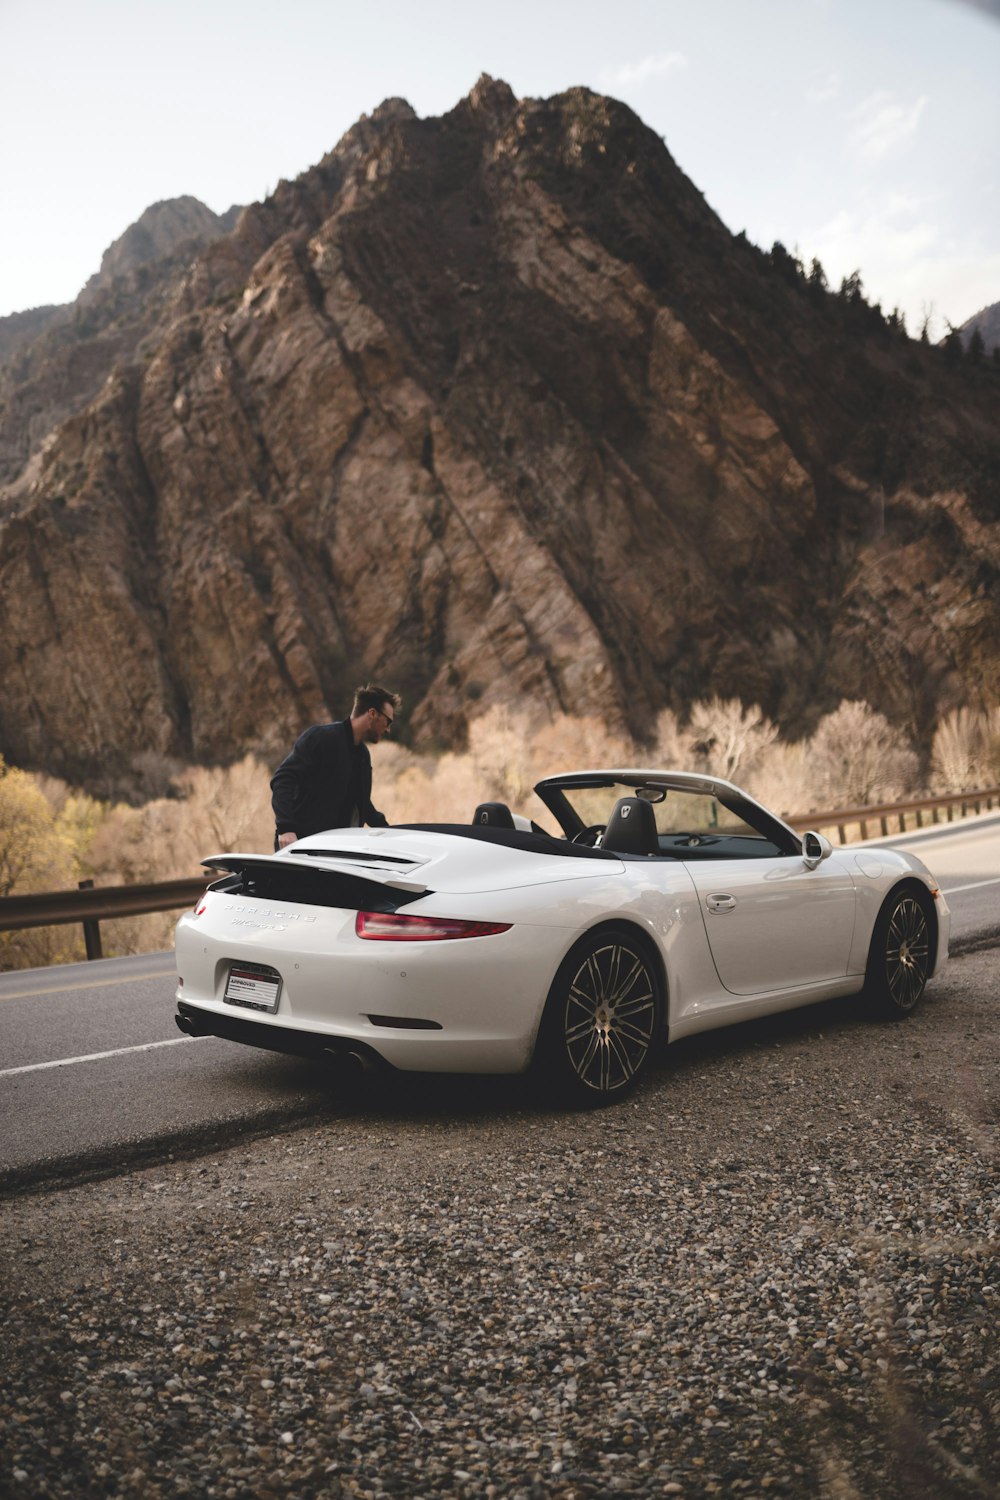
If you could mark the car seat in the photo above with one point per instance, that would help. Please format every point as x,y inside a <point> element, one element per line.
<point>631,828</point>
<point>493,815</point>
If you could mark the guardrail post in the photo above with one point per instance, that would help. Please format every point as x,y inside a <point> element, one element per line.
<point>91,927</point>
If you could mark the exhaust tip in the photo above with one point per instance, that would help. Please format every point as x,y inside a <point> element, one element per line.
<point>185,1024</point>
<point>350,1064</point>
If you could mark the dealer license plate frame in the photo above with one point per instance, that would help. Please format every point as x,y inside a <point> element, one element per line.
<point>254,984</point>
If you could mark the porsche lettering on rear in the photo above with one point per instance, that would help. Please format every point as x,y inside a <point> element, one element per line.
<point>246,913</point>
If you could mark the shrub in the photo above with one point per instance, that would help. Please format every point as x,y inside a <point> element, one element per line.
<point>858,758</point>
<point>35,855</point>
<point>730,739</point>
<point>957,753</point>
<point>966,750</point>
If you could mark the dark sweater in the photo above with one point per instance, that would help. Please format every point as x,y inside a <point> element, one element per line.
<point>323,782</point>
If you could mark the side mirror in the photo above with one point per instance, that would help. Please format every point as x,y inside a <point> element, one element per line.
<point>815,848</point>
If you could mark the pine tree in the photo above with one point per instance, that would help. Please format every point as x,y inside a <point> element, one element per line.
<point>817,284</point>
<point>952,344</point>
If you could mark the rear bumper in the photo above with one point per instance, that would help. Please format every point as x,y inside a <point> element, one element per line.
<point>419,1051</point>
<point>193,1020</point>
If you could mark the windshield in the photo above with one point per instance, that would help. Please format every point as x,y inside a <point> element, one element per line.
<point>679,811</point>
<point>693,821</point>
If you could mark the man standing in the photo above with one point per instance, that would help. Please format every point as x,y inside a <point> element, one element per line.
<point>326,781</point>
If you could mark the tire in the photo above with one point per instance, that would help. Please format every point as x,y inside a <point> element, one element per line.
<point>602,1020</point>
<point>899,960</point>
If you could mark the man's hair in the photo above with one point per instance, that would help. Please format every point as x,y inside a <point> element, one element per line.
<point>372,696</point>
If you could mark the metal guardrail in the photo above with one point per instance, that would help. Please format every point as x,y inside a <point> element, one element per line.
<point>91,905</point>
<point>966,803</point>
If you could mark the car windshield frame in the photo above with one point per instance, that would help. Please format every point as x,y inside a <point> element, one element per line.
<point>553,790</point>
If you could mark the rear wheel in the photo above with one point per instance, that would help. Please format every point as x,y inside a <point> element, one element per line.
<point>900,957</point>
<point>601,1020</point>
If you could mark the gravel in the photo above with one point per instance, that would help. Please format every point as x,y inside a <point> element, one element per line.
<point>773,1272</point>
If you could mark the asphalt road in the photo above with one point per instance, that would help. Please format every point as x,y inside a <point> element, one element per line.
<point>93,1072</point>
<point>966,860</point>
<point>94,1075</point>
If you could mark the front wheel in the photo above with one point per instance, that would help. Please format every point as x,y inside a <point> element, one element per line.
<point>900,957</point>
<point>601,1019</point>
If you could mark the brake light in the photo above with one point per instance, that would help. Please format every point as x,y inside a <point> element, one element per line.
<point>399,927</point>
<point>202,903</point>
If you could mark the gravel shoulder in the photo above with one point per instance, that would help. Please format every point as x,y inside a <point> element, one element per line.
<point>774,1271</point>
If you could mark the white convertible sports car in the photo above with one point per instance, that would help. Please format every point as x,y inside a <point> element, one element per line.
<point>668,903</point>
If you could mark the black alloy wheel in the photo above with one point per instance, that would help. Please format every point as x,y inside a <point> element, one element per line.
<point>602,1019</point>
<point>900,959</point>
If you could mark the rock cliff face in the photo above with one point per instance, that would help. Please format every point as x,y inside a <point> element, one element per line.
<point>54,360</point>
<point>492,407</point>
<point>158,234</point>
<point>17,330</point>
<point>987,321</point>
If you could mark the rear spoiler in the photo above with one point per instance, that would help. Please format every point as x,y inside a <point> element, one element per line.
<point>332,863</point>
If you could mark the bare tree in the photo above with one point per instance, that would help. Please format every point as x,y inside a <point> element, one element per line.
<point>730,738</point>
<point>859,758</point>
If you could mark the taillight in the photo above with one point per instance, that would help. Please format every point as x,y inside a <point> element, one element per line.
<point>399,927</point>
<point>202,903</point>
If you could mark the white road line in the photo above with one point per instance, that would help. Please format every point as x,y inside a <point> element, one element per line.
<point>975,886</point>
<point>88,984</point>
<point>65,1062</point>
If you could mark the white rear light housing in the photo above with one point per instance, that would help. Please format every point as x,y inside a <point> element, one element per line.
<point>401,927</point>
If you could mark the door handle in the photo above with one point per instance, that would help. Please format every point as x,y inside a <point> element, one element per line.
<point>720,903</point>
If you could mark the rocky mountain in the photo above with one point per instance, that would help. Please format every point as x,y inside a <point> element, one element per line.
<point>492,407</point>
<point>177,224</point>
<point>54,360</point>
<point>21,328</point>
<point>987,321</point>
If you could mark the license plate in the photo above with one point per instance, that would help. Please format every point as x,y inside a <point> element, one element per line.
<point>254,986</point>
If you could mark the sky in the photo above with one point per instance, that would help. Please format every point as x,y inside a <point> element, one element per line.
<point>863,132</point>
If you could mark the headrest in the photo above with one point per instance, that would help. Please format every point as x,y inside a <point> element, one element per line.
<point>631,828</point>
<point>493,815</point>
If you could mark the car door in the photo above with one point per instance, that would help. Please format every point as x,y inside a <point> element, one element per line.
<point>773,923</point>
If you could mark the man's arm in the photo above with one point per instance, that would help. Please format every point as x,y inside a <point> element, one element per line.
<point>286,794</point>
<point>367,811</point>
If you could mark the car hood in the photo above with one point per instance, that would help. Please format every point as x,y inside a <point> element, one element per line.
<point>418,860</point>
